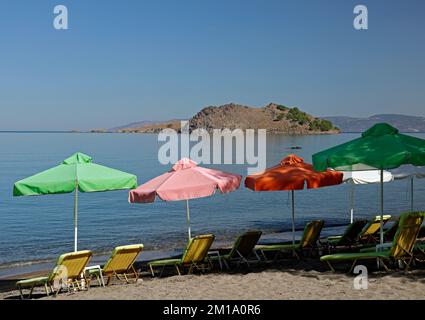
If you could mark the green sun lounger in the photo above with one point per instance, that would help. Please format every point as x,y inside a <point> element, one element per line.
<point>308,241</point>
<point>401,248</point>
<point>68,273</point>
<point>242,250</point>
<point>119,265</point>
<point>194,256</point>
<point>370,232</point>
<point>350,236</point>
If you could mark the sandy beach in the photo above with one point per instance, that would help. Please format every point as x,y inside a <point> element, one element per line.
<point>275,282</point>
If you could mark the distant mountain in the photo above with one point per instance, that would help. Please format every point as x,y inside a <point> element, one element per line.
<point>151,127</point>
<point>138,124</point>
<point>141,124</point>
<point>402,122</point>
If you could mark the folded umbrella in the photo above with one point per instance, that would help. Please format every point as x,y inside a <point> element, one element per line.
<point>363,177</point>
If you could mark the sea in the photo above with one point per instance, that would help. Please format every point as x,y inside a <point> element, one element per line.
<point>35,230</point>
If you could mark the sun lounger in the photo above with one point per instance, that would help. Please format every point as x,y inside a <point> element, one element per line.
<point>68,273</point>
<point>391,231</point>
<point>350,236</point>
<point>370,232</point>
<point>401,247</point>
<point>194,256</point>
<point>119,265</point>
<point>308,241</point>
<point>242,250</point>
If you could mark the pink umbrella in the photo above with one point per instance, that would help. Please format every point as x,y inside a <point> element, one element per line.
<point>186,180</point>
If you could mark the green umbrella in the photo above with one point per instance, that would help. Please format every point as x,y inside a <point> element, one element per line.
<point>380,147</point>
<point>77,173</point>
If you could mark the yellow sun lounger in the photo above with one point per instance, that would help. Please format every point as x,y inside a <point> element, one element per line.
<point>371,230</point>
<point>68,273</point>
<point>401,248</point>
<point>195,256</point>
<point>119,265</point>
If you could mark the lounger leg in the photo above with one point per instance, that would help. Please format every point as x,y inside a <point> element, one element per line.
<point>330,266</point>
<point>226,264</point>
<point>102,279</point>
<point>408,264</point>
<point>162,271</point>
<point>152,272</point>
<point>21,293</point>
<point>256,255</point>
<point>47,289</point>
<point>136,274</point>
<point>352,266</point>
<point>264,255</point>
<point>385,266</point>
<point>29,295</point>
<point>220,263</point>
<point>178,270</point>
<point>190,269</point>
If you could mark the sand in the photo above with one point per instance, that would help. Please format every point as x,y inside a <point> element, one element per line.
<point>270,283</point>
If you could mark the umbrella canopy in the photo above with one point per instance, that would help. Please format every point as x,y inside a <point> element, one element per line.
<point>76,173</point>
<point>380,147</point>
<point>292,173</point>
<point>186,180</point>
<point>363,177</point>
<point>408,171</point>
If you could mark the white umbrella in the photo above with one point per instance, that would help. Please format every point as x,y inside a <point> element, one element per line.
<point>409,171</point>
<point>363,177</point>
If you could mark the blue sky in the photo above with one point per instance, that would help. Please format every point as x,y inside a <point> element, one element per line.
<point>125,61</point>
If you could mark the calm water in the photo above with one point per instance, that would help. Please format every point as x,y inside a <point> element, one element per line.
<point>38,228</point>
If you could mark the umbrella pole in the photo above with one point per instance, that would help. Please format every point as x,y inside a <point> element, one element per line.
<point>411,194</point>
<point>293,216</point>
<point>352,204</point>
<point>76,217</point>
<point>382,208</point>
<point>188,219</point>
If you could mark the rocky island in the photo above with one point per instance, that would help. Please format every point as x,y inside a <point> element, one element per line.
<point>276,118</point>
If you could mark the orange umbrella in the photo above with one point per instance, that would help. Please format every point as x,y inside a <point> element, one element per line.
<point>292,173</point>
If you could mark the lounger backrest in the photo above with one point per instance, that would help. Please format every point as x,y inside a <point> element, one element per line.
<point>373,226</point>
<point>353,231</point>
<point>407,233</point>
<point>197,249</point>
<point>390,233</point>
<point>245,243</point>
<point>311,234</point>
<point>122,258</point>
<point>71,265</point>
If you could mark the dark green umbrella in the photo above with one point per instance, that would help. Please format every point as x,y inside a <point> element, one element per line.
<point>380,147</point>
<point>77,173</point>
